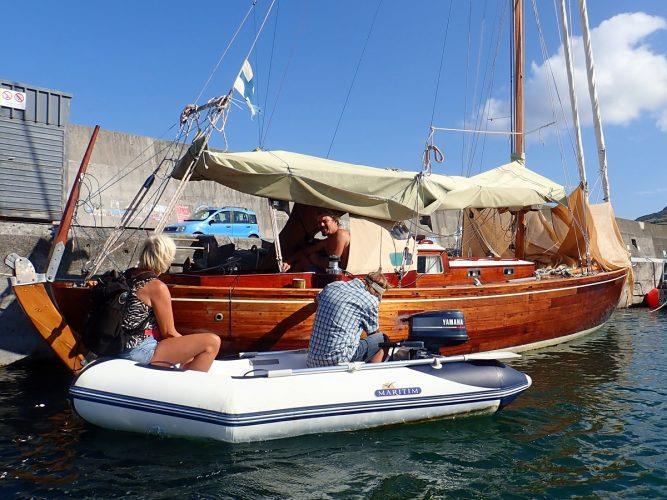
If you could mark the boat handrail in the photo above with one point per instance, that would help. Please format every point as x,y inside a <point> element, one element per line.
<point>435,362</point>
<point>255,354</point>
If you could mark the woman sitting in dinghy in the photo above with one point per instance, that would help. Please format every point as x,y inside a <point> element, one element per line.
<point>149,319</point>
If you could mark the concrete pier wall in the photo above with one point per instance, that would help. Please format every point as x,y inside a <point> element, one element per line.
<point>120,164</point>
<point>647,244</point>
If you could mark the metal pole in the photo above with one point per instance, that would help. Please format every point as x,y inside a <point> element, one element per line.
<point>573,96</point>
<point>276,238</point>
<point>597,121</point>
<point>519,152</point>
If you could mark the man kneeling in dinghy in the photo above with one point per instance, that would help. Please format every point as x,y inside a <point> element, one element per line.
<point>344,309</point>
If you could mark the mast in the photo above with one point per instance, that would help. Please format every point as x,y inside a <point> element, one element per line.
<point>573,96</point>
<point>518,152</point>
<point>597,121</point>
<point>60,240</point>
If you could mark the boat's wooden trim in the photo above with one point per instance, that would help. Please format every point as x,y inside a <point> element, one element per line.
<point>498,316</point>
<point>38,306</point>
<point>403,300</point>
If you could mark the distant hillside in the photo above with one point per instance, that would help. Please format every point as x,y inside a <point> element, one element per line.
<point>656,218</point>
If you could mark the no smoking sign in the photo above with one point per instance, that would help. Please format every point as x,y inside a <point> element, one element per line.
<point>12,99</point>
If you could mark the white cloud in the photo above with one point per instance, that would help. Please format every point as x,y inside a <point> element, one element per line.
<point>662,121</point>
<point>631,78</point>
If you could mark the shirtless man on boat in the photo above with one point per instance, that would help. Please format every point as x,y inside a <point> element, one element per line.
<point>316,255</point>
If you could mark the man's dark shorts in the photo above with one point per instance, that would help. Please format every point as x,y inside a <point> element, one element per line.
<point>368,347</point>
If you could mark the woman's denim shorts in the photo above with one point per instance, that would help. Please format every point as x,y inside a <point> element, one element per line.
<point>142,353</point>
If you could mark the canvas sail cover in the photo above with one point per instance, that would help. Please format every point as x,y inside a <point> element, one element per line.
<point>511,185</point>
<point>379,193</point>
<point>557,239</point>
<point>373,246</point>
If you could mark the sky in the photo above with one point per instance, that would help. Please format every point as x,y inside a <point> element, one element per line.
<point>133,66</point>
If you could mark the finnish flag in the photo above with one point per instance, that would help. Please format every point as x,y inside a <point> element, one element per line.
<point>245,85</point>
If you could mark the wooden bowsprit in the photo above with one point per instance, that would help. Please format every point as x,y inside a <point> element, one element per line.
<point>37,305</point>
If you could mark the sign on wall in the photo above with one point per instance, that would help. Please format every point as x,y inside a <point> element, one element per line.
<point>12,99</point>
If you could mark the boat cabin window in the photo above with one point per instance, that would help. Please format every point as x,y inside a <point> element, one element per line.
<point>429,264</point>
<point>508,271</point>
<point>474,273</point>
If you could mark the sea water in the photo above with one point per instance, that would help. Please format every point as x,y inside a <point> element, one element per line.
<point>592,424</point>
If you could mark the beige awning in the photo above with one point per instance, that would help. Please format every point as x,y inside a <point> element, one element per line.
<point>510,185</point>
<point>380,193</point>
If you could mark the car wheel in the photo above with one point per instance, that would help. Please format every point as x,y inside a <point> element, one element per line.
<point>198,233</point>
<point>253,236</point>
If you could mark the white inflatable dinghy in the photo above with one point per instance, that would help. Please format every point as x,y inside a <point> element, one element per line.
<point>272,395</point>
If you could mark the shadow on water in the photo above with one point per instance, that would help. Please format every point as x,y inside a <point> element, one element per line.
<point>590,425</point>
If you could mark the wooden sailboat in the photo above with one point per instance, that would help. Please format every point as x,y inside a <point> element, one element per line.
<point>504,305</point>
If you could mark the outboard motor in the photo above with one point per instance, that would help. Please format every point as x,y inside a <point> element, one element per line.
<point>438,329</point>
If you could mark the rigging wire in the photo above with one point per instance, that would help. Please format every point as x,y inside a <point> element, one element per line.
<point>551,90</point>
<point>480,47</point>
<point>224,53</point>
<point>569,130</point>
<point>219,110</point>
<point>127,170</point>
<point>179,143</point>
<point>511,77</point>
<point>465,93</point>
<point>285,71</point>
<point>354,77</point>
<point>442,58</point>
<point>485,96</point>
<point>256,77</point>
<point>489,119</point>
<point>262,117</point>
<point>584,229</point>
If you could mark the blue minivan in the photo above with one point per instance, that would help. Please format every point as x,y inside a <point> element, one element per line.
<point>228,221</point>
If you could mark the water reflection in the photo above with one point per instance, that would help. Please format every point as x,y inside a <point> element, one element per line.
<point>591,425</point>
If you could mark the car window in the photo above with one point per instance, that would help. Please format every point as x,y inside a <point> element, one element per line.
<point>201,214</point>
<point>221,218</point>
<point>241,217</point>
<point>252,219</point>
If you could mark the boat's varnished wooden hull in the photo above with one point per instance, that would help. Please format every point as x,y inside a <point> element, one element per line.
<point>500,316</point>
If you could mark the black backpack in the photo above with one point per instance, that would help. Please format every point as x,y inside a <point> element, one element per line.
<point>103,332</point>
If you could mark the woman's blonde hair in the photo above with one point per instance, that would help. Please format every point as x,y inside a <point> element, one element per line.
<point>157,254</point>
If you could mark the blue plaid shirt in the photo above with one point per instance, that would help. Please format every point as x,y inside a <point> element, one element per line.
<point>344,309</point>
